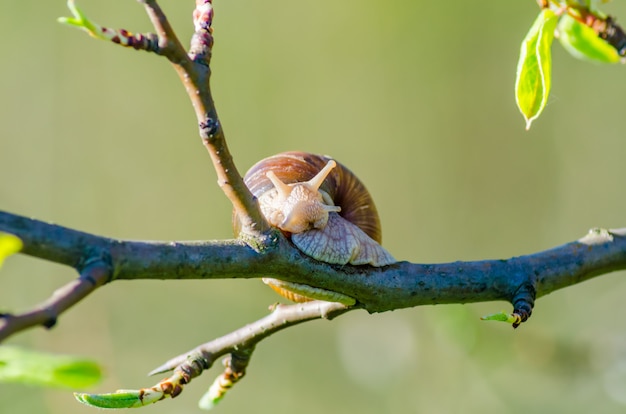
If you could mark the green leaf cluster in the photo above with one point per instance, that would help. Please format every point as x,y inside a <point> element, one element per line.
<point>570,22</point>
<point>533,81</point>
<point>583,42</point>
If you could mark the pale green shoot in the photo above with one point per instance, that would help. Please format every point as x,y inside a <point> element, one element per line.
<point>510,318</point>
<point>82,22</point>
<point>210,399</point>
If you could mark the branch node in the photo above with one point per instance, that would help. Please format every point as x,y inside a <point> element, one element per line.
<point>523,303</point>
<point>202,40</point>
<point>597,235</point>
<point>50,322</point>
<point>209,128</point>
<point>261,242</point>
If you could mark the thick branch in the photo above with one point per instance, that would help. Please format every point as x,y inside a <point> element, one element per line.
<point>401,285</point>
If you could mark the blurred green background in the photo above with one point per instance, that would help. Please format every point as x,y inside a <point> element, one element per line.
<point>417,99</point>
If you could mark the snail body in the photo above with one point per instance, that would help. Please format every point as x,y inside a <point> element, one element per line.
<point>322,207</point>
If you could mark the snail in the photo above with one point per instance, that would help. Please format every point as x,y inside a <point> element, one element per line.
<point>324,209</point>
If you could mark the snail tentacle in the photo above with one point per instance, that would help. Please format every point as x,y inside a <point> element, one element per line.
<point>298,207</point>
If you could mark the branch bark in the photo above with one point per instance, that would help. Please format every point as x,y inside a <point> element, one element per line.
<point>400,285</point>
<point>518,280</point>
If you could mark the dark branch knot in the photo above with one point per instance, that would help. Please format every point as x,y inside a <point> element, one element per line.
<point>523,303</point>
<point>209,128</point>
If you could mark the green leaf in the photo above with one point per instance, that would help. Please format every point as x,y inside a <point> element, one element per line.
<point>582,42</point>
<point>532,84</point>
<point>509,318</point>
<point>38,368</point>
<point>9,244</point>
<point>121,398</point>
<point>114,400</point>
<point>81,21</point>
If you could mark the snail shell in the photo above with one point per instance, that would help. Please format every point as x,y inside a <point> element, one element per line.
<point>321,206</point>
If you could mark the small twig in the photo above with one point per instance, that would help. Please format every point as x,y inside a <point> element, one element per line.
<point>235,366</point>
<point>282,317</point>
<point>194,72</point>
<point>239,345</point>
<point>198,88</point>
<point>92,277</point>
<point>168,41</point>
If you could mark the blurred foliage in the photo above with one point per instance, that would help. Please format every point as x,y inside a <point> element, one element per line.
<point>585,32</point>
<point>583,42</point>
<point>416,98</point>
<point>50,370</point>
<point>9,244</point>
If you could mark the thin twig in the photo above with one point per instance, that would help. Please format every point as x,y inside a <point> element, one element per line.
<point>168,41</point>
<point>92,277</point>
<point>239,345</point>
<point>282,317</point>
<point>194,72</point>
<point>198,88</point>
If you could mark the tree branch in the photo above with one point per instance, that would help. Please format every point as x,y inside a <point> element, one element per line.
<point>401,285</point>
<point>238,345</point>
<point>94,275</point>
<point>195,77</point>
<point>194,72</point>
<point>282,317</point>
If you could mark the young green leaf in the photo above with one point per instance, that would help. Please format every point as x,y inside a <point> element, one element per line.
<point>582,42</point>
<point>532,84</point>
<point>9,244</point>
<point>81,21</point>
<point>501,317</point>
<point>120,399</point>
<point>129,398</point>
<point>38,368</point>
